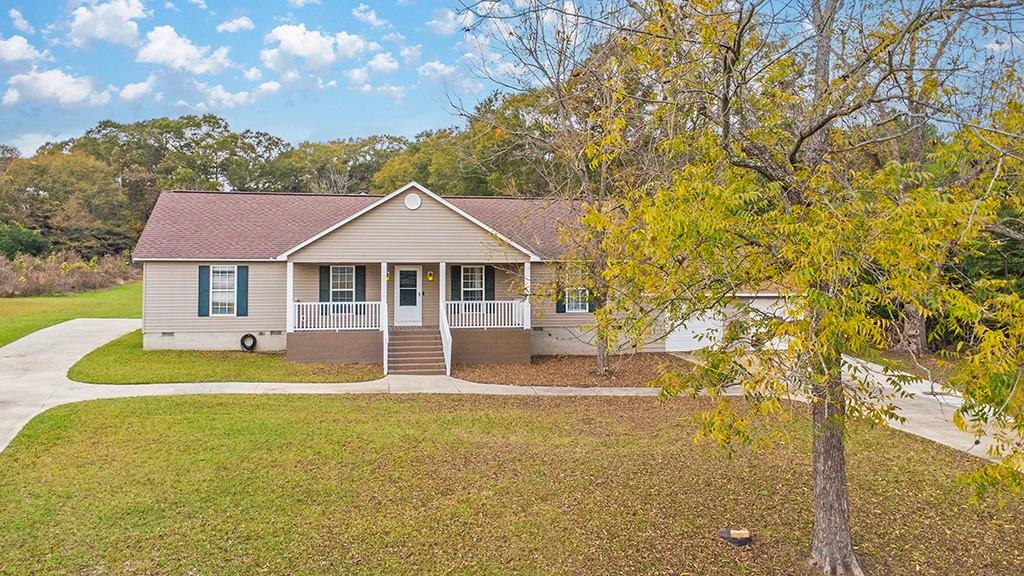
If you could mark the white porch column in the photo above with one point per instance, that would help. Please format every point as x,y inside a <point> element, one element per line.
<point>441,286</point>
<point>384,296</point>
<point>290,322</point>
<point>527,310</point>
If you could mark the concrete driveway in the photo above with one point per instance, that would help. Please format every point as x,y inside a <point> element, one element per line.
<point>33,378</point>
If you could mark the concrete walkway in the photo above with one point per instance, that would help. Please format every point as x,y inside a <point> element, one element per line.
<point>33,378</point>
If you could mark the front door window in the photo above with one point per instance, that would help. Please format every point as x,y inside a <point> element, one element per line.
<point>408,310</point>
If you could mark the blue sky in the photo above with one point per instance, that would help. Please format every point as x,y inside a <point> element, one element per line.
<point>300,69</point>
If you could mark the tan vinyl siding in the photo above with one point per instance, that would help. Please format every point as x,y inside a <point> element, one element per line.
<point>307,280</point>
<point>171,298</point>
<point>508,281</point>
<point>431,233</point>
<point>544,281</point>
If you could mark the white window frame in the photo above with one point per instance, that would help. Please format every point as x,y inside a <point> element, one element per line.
<point>352,289</point>
<point>342,307</point>
<point>577,305</point>
<point>234,290</point>
<point>483,284</point>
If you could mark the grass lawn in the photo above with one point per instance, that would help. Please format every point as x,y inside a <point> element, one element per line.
<point>461,485</point>
<point>21,316</point>
<point>123,361</point>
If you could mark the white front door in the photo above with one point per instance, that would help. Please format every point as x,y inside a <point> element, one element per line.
<point>408,296</point>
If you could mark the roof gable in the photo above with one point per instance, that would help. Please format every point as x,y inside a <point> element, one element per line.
<point>398,194</point>
<point>410,225</point>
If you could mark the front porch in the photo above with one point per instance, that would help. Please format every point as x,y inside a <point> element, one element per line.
<point>340,312</point>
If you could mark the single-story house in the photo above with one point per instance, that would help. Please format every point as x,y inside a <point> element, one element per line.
<point>413,280</point>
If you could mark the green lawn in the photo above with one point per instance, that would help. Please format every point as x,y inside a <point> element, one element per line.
<point>123,361</point>
<point>461,485</point>
<point>21,316</point>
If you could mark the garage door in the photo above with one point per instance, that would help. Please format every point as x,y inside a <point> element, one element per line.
<point>699,332</point>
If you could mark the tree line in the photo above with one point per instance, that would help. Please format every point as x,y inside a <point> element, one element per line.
<point>92,194</point>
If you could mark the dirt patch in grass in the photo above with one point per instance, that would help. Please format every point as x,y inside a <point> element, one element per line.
<point>627,370</point>
<point>464,485</point>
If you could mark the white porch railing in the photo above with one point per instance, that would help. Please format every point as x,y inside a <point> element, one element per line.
<point>311,316</point>
<point>486,314</point>
<point>446,344</point>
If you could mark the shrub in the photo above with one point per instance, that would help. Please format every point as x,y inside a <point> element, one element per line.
<point>62,273</point>
<point>16,239</point>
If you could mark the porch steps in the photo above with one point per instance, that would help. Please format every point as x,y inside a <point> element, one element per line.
<point>415,351</point>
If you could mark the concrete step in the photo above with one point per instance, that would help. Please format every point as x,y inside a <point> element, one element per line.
<point>424,338</point>
<point>418,348</point>
<point>432,370</point>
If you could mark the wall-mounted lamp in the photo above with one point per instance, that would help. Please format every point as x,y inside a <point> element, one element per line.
<point>430,276</point>
<point>387,276</point>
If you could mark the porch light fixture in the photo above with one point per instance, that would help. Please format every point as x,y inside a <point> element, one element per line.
<point>430,276</point>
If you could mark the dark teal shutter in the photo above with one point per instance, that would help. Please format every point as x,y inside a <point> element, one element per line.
<point>204,290</point>
<point>360,289</point>
<point>456,283</point>
<point>591,303</point>
<point>488,282</point>
<point>560,301</point>
<point>325,283</point>
<point>242,291</point>
<point>360,283</point>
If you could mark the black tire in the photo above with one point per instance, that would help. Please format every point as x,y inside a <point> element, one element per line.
<point>248,342</point>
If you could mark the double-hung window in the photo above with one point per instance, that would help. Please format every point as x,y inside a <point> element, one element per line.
<point>577,300</point>
<point>223,290</point>
<point>473,287</point>
<point>343,287</point>
<point>473,283</point>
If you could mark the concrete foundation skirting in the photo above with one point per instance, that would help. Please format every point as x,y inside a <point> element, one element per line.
<point>492,346</point>
<point>345,347</point>
<point>265,341</point>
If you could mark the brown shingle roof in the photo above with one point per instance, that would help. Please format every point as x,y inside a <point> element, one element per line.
<point>261,226</point>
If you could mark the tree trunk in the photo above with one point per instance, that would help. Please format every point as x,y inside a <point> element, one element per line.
<point>602,354</point>
<point>913,337</point>
<point>832,544</point>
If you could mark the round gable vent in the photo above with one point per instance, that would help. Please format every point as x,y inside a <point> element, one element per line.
<point>413,201</point>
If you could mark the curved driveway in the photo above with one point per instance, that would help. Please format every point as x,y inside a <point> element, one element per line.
<point>33,378</point>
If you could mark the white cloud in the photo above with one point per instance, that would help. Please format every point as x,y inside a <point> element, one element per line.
<point>201,4</point>
<point>171,6</point>
<point>253,74</point>
<point>133,92</point>
<point>19,22</point>
<point>166,47</point>
<point>358,76</point>
<point>218,97</point>
<point>301,3</point>
<point>447,22</point>
<point>314,48</point>
<point>269,87</point>
<point>383,62</point>
<point>30,142</point>
<point>438,71</point>
<point>352,45</point>
<point>112,21</point>
<point>393,37</point>
<point>392,91</point>
<point>17,48</point>
<point>435,70</point>
<point>411,54</point>
<point>54,86</point>
<point>364,13</point>
<point>240,23</point>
